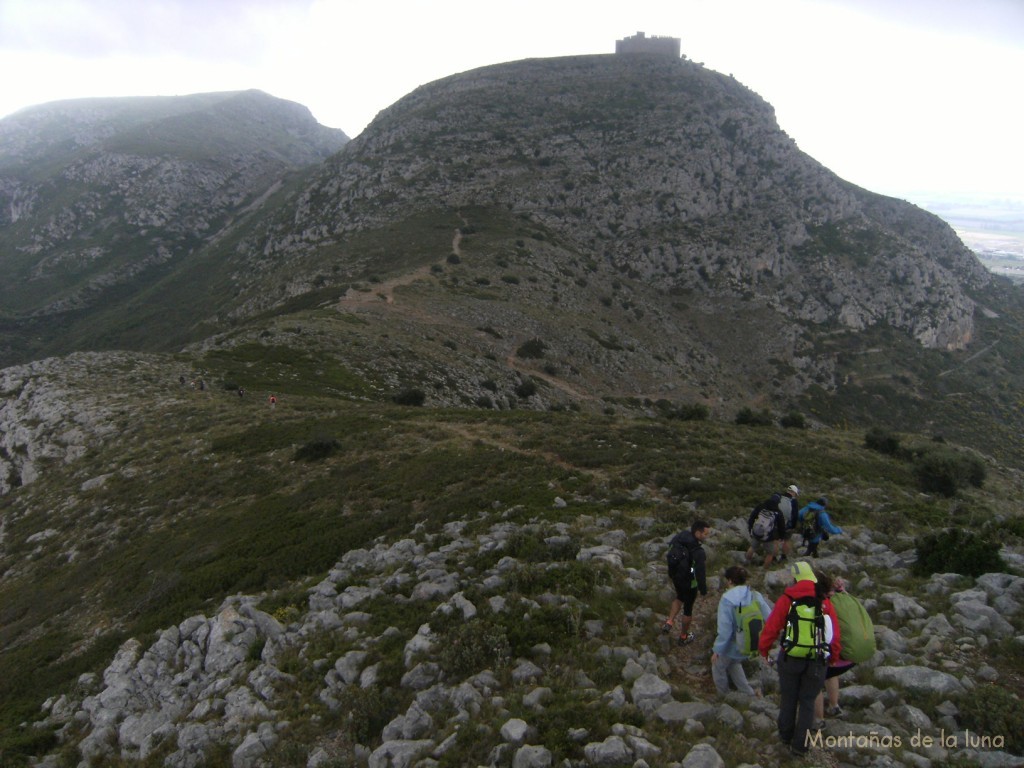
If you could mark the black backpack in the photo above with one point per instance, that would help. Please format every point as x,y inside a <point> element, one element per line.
<point>678,554</point>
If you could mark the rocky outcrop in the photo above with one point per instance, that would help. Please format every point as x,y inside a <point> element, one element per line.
<point>225,680</point>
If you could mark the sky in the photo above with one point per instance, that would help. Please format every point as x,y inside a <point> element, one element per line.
<point>920,99</point>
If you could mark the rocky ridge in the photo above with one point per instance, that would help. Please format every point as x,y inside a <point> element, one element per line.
<point>47,415</point>
<point>232,678</point>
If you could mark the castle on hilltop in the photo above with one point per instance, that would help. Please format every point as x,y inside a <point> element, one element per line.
<point>640,43</point>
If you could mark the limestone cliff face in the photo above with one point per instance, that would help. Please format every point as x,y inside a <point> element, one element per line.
<point>664,170</point>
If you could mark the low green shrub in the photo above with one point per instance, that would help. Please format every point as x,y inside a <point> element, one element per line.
<point>752,418</point>
<point>473,646</point>
<point>687,412</point>
<point>317,449</point>
<point>547,624</point>
<point>535,548</point>
<point>367,711</point>
<point>1007,655</point>
<point>882,440</point>
<point>532,349</point>
<point>526,389</point>
<point>410,397</point>
<point>571,578</point>
<point>946,471</point>
<point>474,742</point>
<point>990,711</point>
<point>955,550</point>
<point>793,420</point>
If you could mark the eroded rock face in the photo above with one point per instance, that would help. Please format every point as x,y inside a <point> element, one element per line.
<point>52,411</point>
<point>44,417</point>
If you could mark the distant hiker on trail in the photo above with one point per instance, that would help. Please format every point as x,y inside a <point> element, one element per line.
<point>741,615</point>
<point>767,526</point>
<point>810,638</point>
<point>687,569</point>
<point>272,401</point>
<point>817,526</point>
<point>241,392</point>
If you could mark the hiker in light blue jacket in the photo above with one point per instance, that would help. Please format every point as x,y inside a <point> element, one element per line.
<point>817,525</point>
<point>727,657</point>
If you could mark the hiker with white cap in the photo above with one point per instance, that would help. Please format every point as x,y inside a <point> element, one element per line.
<point>769,525</point>
<point>809,631</point>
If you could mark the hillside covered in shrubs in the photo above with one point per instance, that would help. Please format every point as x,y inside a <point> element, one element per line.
<point>344,583</point>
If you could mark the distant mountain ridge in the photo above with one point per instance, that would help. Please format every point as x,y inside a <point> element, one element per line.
<point>99,197</point>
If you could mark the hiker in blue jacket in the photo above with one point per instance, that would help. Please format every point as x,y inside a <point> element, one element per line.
<point>816,531</point>
<point>726,658</point>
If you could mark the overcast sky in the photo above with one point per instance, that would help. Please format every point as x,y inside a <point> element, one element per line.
<point>913,98</point>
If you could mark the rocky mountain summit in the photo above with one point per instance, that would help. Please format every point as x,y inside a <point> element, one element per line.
<point>660,169</point>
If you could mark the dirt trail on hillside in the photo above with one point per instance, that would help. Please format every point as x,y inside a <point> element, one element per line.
<point>513,362</point>
<point>691,664</point>
<point>483,434</point>
<point>385,291</point>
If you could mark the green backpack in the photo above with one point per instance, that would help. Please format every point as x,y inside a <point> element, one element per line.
<point>805,630</point>
<point>856,631</point>
<point>749,623</point>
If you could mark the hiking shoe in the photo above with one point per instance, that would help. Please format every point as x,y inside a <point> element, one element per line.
<point>666,627</point>
<point>817,725</point>
<point>686,639</point>
<point>835,711</point>
<point>797,752</point>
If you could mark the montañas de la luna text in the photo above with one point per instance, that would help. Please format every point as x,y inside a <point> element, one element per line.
<point>873,740</point>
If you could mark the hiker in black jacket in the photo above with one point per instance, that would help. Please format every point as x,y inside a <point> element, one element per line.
<point>689,577</point>
<point>771,536</point>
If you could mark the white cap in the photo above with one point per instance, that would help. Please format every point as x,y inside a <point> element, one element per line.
<point>794,490</point>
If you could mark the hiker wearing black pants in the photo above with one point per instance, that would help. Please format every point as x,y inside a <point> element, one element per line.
<point>688,579</point>
<point>808,641</point>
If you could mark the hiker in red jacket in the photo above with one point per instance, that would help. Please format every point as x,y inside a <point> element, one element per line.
<point>810,637</point>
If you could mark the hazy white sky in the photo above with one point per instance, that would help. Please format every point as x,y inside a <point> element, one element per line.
<point>913,98</point>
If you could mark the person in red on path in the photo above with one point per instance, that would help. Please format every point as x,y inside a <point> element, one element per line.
<point>804,658</point>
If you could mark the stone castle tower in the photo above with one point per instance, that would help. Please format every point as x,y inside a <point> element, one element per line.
<point>640,43</point>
